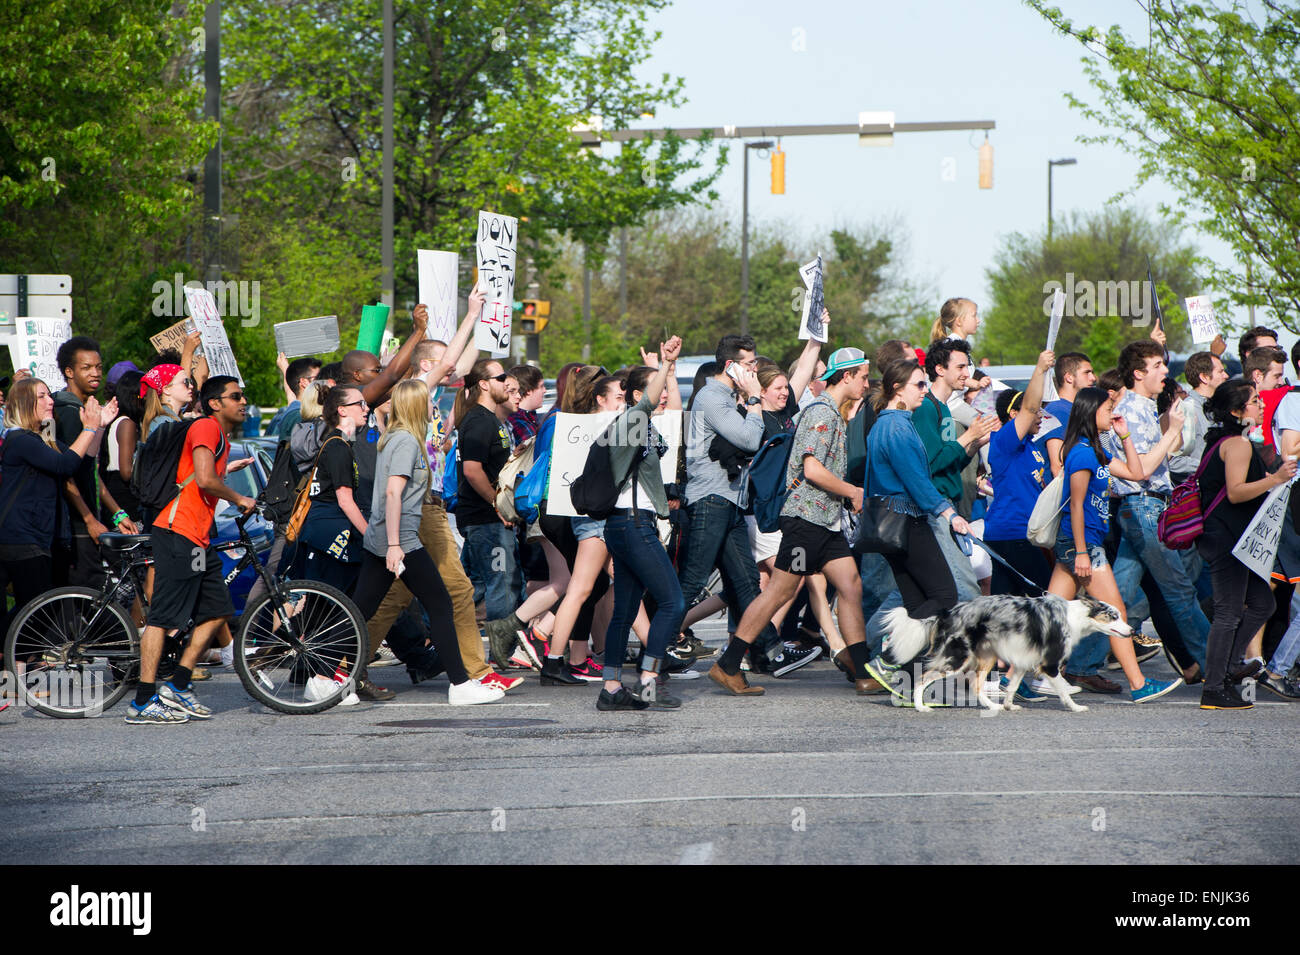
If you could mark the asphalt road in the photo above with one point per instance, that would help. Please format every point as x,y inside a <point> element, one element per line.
<point>808,773</point>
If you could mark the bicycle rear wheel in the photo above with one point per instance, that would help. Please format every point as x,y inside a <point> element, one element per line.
<point>72,655</point>
<point>313,677</point>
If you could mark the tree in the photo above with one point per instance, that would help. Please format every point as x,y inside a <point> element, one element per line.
<point>1100,262</point>
<point>1209,103</point>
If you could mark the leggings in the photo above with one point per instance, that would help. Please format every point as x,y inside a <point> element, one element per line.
<point>924,581</point>
<point>1025,557</point>
<point>421,578</point>
<point>1242,604</point>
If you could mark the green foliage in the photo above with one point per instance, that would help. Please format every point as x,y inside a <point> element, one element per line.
<point>1209,103</point>
<point>1097,250</point>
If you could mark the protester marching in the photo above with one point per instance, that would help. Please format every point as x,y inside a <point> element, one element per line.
<point>499,536</point>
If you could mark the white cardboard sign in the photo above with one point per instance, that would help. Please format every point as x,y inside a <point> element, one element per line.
<point>438,274</point>
<point>1200,315</point>
<point>814,302</point>
<point>1257,547</point>
<point>216,346</point>
<point>38,352</point>
<point>574,436</point>
<point>495,250</point>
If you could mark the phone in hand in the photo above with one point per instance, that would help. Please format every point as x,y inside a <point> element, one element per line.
<point>734,368</point>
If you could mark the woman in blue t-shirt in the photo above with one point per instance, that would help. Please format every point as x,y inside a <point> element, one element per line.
<point>1080,552</point>
<point>1019,470</point>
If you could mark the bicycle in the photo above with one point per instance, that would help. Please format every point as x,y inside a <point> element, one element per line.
<point>76,651</point>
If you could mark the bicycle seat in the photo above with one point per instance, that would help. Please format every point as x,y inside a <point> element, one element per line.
<point>122,542</point>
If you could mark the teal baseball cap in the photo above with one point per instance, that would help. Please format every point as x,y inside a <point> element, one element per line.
<point>843,358</point>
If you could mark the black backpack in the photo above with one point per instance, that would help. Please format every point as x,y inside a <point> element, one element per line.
<point>594,491</point>
<point>153,479</point>
<point>281,491</point>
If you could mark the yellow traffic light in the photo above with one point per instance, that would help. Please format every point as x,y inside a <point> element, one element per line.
<point>986,164</point>
<point>535,315</point>
<point>537,306</point>
<point>778,171</point>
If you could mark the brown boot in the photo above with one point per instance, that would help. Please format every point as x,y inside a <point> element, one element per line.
<point>843,661</point>
<point>736,684</point>
<point>868,686</point>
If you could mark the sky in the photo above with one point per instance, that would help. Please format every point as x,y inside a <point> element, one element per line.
<point>927,60</point>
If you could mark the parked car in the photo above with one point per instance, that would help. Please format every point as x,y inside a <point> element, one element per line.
<point>248,481</point>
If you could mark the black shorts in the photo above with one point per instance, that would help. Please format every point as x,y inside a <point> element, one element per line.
<point>188,583</point>
<point>807,547</point>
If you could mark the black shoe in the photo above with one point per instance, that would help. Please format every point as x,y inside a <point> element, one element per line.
<point>1224,698</point>
<point>419,674</point>
<point>656,695</point>
<point>791,659</point>
<point>555,672</point>
<point>368,691</point>
<point>1245,670</point>
<point>678,659</point>
<point>622,700</point>
<point>1281,686</point>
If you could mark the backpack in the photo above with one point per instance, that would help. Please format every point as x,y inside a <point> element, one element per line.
<point>450,477</point>
<point>282,485</point>
<point>154,479</point>
<point>1182,522</point>
<point>594,492</point>
<point>859,428</point>
<point>1045,518</point>
<point>518,465</point>
<point>530,492</point>
<point>767,487</point>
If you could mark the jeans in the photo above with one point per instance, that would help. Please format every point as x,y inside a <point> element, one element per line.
<point>1140,547</point>
<point>490,560</point>
<point>1243,603</point>
<point>640,564</point>
<point>1288,649</point>
<point>963,572</point>
<point>718,537</point>
<point>877,583</point>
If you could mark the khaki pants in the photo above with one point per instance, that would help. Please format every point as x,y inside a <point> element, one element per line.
<point>437,540</point>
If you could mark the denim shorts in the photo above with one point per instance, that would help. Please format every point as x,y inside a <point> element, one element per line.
<point>584,528</point>
<point>1065,553</point>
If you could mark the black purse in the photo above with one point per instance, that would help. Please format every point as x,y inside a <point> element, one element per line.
<point>881,529</point>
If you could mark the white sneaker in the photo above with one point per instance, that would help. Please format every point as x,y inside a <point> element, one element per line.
<point>228,654</point>
<point>993,690</point>
<point>387,658</point>
<point>1043,685</point>
<point>319,688</point>
<point>471,692</point>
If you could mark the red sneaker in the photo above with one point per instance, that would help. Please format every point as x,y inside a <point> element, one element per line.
<point>588,670</point>
<point>506,683</point>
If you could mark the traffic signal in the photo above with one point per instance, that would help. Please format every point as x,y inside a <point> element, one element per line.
<point>778,171</point>
<point>536,313</point>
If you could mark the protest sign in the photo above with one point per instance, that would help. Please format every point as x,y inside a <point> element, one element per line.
<point>814,302</point>
<point>438,274</point>
<point>38,353</point>
<point>1257,547</point>
<point>308,336</point>
<point>370,336</point>
<point>1200,315</point>
<point>495,249</point>
<point>1053,329</point>
<point>575,434</point>
<point>173,337</point>
<point>216,346</point>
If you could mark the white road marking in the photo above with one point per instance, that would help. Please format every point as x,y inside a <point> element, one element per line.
<point>697,853</point>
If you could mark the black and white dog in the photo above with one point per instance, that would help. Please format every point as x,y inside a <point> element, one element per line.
<point>1028,633</point>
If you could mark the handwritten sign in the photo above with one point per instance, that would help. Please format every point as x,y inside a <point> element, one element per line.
<point>814,302</point>
<point>173,337</point>
<point>1257,547</point>
<point>495,248</point>
<point>438,273</point>
<point>38,353</point>
<point>1200,315</point>
<point>575,434</point>
<point>308,336</point>
<point>216,346</point>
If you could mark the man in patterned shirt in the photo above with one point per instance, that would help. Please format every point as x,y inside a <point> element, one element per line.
<point>1142,365</point>
<point>811,539</point>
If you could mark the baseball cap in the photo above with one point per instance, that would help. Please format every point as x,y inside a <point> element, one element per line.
<point>843,358</point>
<point>117,371</point>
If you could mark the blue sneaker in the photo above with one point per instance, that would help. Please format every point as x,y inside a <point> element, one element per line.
<point>153,713</point>
<point>1025,693</point>
<point>1154,689</point>
<point>183,700</point>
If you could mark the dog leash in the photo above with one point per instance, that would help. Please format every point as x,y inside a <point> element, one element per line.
<point>964,541</point>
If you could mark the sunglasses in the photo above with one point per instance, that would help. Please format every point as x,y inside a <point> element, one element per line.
<point>233,396</point>
<point>501,377</point>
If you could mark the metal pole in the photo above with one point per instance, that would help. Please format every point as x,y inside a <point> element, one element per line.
<point>212,162</point>
<point>386,279</point>
<point>622,278</point>
<point>1049,198</point>
<point>586,304</point>
<point>744,253</point>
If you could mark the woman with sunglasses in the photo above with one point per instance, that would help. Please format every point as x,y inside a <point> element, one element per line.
<point>329,544</point>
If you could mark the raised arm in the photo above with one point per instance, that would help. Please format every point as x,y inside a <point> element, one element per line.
<point>382,383</point>
<point>654,389</point>
<point>1028,415</point>
<point>807,364</point>
<point>457,352</point>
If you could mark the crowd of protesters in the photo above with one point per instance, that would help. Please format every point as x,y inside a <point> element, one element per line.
<point>577,599</point>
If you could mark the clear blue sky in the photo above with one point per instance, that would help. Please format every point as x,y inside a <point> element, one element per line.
<point>927,60</point>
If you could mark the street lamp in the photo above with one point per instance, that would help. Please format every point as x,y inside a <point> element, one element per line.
<point>1050,164</point>
<point>744,239</point>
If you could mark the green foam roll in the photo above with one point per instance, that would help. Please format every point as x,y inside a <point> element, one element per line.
<point>374,319</point>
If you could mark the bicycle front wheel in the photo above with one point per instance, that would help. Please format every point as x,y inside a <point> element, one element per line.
<point>72,654</point>
<point>306,677</point>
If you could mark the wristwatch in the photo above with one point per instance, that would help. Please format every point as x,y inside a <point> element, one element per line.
<point>752,400</point>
